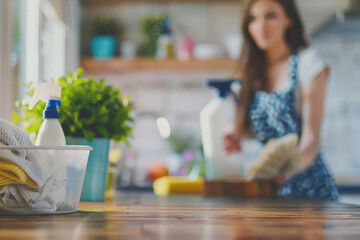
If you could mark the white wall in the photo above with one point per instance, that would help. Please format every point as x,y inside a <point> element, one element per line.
<point>205,22</point>
<point>341,125</point>
<point>316,13</point>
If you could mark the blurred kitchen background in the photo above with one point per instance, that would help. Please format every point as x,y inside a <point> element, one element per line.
<point>45,39</point>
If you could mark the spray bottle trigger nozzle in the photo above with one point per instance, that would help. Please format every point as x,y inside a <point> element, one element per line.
<point>45,92</point>
<point>224,87</point>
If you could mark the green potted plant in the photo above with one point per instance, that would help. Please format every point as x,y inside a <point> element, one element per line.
<point>91,113</point>
<point>103,42</point>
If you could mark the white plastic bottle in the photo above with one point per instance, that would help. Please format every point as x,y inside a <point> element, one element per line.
<point>51,134</point>
<point>165,43</point>
<point>215,120</point>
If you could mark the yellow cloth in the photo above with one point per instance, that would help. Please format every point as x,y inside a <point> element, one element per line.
<point>10,173</point>
<point>177,185</point>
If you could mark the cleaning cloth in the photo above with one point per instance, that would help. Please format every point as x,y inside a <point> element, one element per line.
<point>24,199</point>
<point>24,183</point>
<point>18,165</point>
<point>279,156</point>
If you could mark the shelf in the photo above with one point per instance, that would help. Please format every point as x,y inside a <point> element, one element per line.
<point>117,65</point>
<point>121,1</point>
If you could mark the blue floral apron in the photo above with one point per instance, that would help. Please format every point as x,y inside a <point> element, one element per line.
<point>273,115</point>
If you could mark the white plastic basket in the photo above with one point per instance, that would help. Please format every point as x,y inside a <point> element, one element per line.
<point>66,164</point>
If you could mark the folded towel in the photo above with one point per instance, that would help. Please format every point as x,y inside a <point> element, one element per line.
<point>11,173</point>
<point>25,185</point>
<point>15,136</point>
<point>279,156</point>
<point>12,160</point>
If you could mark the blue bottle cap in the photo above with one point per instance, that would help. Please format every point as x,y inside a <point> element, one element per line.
<point>51,109</point>
<point>223,87</point>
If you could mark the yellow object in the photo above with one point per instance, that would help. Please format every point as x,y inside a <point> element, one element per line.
<point>111,182</point>
<point>115,155</point>
<point>10,173</point>
<point>177,185</point>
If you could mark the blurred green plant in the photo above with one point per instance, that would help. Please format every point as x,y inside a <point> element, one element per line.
<point>89,108</point>
<point>181,140</point>
<point>185,144</point>
<point>105,26</point>
<point>151,28</point>
<point>197,165</point>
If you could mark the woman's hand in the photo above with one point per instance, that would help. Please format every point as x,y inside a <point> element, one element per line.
<point>281,179</point>
<point>231,143</point>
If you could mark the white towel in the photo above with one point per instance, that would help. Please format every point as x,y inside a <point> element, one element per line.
<point>22,198</point>
<point>15,136</point>
<point>26,200</point>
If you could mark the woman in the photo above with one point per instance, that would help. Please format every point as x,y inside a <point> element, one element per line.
<point>283,92</point>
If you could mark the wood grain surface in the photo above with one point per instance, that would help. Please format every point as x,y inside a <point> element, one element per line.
<point>145,216</point>
<point>240,188</point>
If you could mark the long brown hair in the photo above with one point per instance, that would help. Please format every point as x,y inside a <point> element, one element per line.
<point>252,67</point>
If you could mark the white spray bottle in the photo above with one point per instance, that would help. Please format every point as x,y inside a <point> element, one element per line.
<point>215,120</point>
<point>51,132</point>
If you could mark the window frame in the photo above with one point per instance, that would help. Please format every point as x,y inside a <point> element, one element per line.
<point>7,86</point>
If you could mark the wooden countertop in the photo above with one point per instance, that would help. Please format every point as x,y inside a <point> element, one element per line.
<point>145,216</point>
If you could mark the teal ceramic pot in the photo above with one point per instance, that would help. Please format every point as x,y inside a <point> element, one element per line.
<point>103,47</point>
<point>96,171</point>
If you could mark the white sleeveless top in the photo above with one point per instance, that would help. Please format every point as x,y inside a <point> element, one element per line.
<point>310,65</point>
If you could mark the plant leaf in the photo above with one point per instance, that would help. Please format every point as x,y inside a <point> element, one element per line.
<point>16,118</point>
<point>89,135</point>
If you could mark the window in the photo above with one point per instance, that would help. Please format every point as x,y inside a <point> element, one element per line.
<point>38,42</point>
<point>7,84</point>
